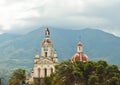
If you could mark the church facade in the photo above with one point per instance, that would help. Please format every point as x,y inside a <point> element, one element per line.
<point>44,62</point>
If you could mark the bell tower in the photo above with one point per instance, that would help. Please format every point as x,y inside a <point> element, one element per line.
<point>44,62</point>
<point>47,46</point>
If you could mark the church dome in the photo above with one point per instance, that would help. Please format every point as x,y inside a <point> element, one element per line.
<point>80,57</point>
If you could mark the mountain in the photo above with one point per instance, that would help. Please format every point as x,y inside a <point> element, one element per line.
<point>19,51</point>
<point>7,36</point>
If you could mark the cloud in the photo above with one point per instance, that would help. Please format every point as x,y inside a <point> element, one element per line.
<point>26,15</point>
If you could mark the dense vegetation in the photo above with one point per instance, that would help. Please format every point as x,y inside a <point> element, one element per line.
<point>85,73</point>
<point>17,77</point>
<point>76,73</point>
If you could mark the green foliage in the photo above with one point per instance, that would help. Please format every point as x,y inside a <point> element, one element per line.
<point>86,73</point>
<point>36,81</point>
<point>93,79</point>
<point>47,80</point>
<point>113,81</point>
<point>62,75</point>
<point>17,77</point>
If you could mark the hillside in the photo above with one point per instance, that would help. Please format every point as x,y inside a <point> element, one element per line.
<point>19,51</point>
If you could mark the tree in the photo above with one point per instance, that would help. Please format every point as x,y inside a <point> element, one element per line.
<point>17,77</point>
<point>102,62</point>
<point>85,73</point>
<point>93,80</point>
<point>48,80</point>
<point>67,73</point>
<point>112,75</point>
<point>89,68</point>
<point>113,81</point>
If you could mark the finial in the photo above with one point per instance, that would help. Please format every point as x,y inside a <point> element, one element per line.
<point>47,32</point>
<point>80,43</point>
<point>80,37</point>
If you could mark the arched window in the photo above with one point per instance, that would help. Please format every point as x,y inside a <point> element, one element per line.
<point>45,54</point>
<point>39,72</point>
<point>51,70</point>
<point>45,72</point>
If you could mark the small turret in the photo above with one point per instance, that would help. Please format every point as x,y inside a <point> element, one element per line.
<point>79,47</point>
<point>36,57</point>
<point>55,58</point>
<point>47,45</point>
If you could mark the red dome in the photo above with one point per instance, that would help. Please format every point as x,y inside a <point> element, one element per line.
<point>80,57</point>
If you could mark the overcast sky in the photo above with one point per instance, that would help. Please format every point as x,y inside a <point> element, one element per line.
<point>21,16</point>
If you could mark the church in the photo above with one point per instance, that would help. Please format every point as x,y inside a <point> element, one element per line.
<point>44,62</point>
<point>79,56</point>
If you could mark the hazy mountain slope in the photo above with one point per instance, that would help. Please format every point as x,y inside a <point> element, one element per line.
<point>97,44</point>
<point>19,52</point>
<point>6,36</point>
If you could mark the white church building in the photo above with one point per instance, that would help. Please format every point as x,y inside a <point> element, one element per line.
<point>44,62</point>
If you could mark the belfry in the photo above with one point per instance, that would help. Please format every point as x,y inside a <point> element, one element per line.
<point>44,63</point>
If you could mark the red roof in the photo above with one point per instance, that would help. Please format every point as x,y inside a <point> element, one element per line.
<point>80,56</point>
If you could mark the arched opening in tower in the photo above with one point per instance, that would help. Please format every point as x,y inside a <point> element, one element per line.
<point>45,54</point>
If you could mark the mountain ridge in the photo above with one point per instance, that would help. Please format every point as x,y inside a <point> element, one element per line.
<point>20,51</point>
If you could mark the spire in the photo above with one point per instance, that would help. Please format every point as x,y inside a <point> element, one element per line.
<point>80,39</point>
<point>79,47</point>
<point>47,33</point>
<point>79,43</point>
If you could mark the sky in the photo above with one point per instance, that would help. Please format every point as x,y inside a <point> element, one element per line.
<point>22,16</point>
